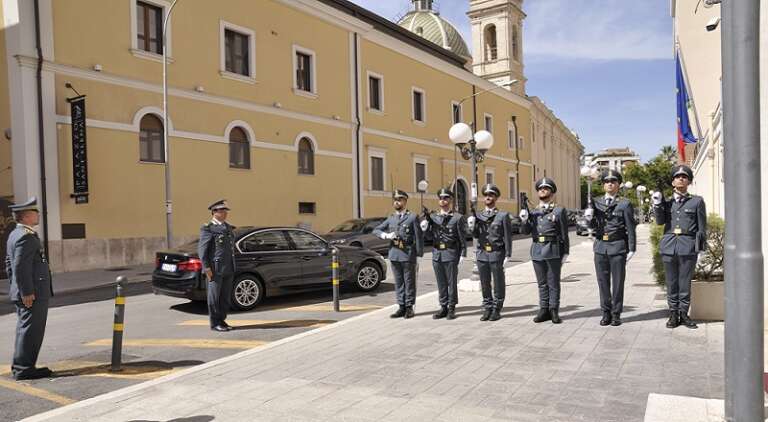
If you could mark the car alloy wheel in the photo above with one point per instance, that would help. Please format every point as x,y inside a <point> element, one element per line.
<point>247,293</point>
<point>368,277</point>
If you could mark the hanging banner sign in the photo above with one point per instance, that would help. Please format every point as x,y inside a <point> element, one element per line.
<point>79,150</point>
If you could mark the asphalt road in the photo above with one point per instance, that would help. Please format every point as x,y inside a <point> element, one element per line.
<point>165,334</point>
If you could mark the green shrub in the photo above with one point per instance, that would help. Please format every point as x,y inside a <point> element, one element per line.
<point>657,269</point>
<point>710,264</point>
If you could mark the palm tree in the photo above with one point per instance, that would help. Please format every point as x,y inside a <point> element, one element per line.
<point>669,153</point>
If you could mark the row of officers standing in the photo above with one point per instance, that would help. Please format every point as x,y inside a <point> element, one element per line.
<point>611,217</point>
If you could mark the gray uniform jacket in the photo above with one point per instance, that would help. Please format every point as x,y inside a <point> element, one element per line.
<point>409,240</point>
<point>685,225</point>
<point>449,236</point>
<point>549,231</point>
<point>615,227</point>
<point>217,248</point>
<point>493,232</point>
<point>26,266</point>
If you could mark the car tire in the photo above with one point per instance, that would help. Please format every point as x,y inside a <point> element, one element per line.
<point>368,277</point>
<point>247,292</point>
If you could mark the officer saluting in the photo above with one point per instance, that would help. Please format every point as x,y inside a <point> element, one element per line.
<point>684,217</point>
<point>403,229</point>
<point>31,288</point>
<point>217,253</point>
<point>615,243</point>
<point>449,248</point>
<point>548,225</point>
<point>493,231</point>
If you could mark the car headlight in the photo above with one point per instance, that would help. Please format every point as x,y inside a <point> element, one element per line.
<point>338,241</point>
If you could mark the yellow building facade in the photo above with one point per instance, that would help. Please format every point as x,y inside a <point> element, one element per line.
<point>269,107</point>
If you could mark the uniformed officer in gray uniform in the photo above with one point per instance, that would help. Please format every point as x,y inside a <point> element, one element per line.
<point>493,230</point>
<point>404,230</point>
<point>31,288</point>
<point>217,253</point>
<point>613,218</point>
<point>548,225</point>
<point>449,248</point>
<point>684,217</point>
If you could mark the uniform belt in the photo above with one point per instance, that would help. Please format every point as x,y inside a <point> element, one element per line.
<point>546,239</point>
<point>683,233</point>
<point>400,244</point>
<point>612,237</point>
<point>446,245</point>
<point>491,248</point>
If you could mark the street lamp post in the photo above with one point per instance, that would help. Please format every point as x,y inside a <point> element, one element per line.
<point>166,146</point>
<point>639,190</point>
<point>590,173</point>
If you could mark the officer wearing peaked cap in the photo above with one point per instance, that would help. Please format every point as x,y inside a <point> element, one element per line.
<point>613,218</point>
<point>216,249</point>
<point>493,230</point>
<point>31,288</point>
<point>402,228</point>
<point>448,231</point>
<point>684,217</point>
<point>548,225</point>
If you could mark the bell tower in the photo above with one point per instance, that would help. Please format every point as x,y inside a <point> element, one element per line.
<point>497,41</point>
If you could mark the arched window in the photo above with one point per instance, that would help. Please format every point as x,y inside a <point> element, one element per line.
<point>239,149</point>
<point>515,44</point>
<point>490,43</point>
<point>306,157</point>
<point>151,147</point>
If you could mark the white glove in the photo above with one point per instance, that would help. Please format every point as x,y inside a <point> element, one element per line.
<point>507,260</point>
<point>656,198</point>
<point>461,259</point>
<point>471,222</point>
<point>524,215</point>
<point>424,225</point>
<point>386,236</point>
<point>565,257</point>
<point>589,213</point>
<point>630,254</point>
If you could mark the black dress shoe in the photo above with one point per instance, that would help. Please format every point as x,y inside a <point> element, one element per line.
<point>674,320</point>
<point>33,374</point>
<point>227,326</point>
<point>451,313</point>
<point>542,316</point>
<point>399,313</point>
<point>442,313</point>
<point>687,322</point>
<point>495,315</point>
<point>616,320</point>
<point>409,312</point>
<point>486,314</point>
<point>606,319</point>
<point>555,316</point>
<point>220,328</point>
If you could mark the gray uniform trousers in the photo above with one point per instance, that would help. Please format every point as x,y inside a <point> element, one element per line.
<point>548,278</point>
<point>30,330</point>
<point>446,274</point>
<point>679,272</point>
<point>493,296</point>
<point>611,272</point>
<point>405,282</point>
<point>219,297</point>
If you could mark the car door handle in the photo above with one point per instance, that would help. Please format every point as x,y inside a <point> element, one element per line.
<point>306,258</point>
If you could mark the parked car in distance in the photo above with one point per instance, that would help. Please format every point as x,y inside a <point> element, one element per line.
<point>270,261</point>
<point>582,225</point>
<point>516,222</point>
<point>358,233</point>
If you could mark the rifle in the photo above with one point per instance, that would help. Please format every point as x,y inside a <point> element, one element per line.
<point>524,202</point>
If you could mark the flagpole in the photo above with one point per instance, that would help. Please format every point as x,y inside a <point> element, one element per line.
<point>687,84</point>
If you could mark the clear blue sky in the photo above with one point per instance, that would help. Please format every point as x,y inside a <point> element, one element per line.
<point>606,67</point>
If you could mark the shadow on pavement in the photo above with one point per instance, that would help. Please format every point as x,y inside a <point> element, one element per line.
<point>97,294</point>
<point>572,278</point>
<point>294,323</point>
<point>127,368</point>
<point>649,316</point>
<point>201,418</point>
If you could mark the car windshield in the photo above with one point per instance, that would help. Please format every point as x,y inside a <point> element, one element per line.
<point>349,226</point>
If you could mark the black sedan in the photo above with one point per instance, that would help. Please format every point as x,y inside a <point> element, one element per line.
<point>271,261</point>
<point>358,233</point>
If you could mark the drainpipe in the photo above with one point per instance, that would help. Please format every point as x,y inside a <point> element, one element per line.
<point>358,124</point>
<point>517,166</point>
<point>40,127</point>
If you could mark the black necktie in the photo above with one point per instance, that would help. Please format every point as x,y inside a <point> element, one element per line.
<point>608,201</point>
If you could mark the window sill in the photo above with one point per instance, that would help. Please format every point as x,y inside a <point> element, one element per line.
<point>237,77</point>
<point>303,93</point>
<point>307,174</point>
<point>156,163</point>
<point>376,111</point>
<point>419,122</point>
<point>242,169</point>
<point>146,55</point>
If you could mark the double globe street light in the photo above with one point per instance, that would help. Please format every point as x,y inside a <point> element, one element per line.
<point>473,148</point>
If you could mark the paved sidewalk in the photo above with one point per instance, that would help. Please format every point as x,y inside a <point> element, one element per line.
<point>372,368</point>
<point>82,280</point>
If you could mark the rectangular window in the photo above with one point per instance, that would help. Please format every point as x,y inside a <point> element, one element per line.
<point>489,123</point>
<point>520,142</point>
<point>375,93</point>
<point>304,72</point>
<point>306,208</point>
<point>149,27</point>
<point>512,187</point>
<point>456,112</point>
<point>377,173</point>
<point>420,171</point>
<point>237,55</point>
<point>418,105</point>
<point>73,231</point>
<point>488,177</point>
<point>511,138</point>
